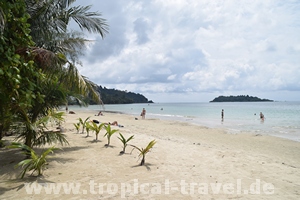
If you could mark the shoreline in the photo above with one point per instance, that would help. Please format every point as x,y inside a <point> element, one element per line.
<point>231,129</point>
<point>183,152</point>
<point>281,119</point>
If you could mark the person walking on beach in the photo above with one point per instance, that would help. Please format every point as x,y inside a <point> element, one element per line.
<point>143,114</point>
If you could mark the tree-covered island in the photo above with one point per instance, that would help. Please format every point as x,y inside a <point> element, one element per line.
<point>239,98</point>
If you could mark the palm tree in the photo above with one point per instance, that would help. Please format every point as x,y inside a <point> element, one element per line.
<point>34,162</point>
<point>49,29</point>
<point>88,127</point>
<point>97,129</point>
<point>34,119</point>
<point>77,126</point>
<point>124,142</point>
<point>83,123</point>
<point>109,133</point>
<point>143,151</point>
<point>46,71</point>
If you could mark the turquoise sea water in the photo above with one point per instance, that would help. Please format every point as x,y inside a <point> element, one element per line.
<point>282,119</point>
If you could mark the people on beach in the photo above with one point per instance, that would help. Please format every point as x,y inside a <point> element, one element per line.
<point>99,113</point>
<point>143,114</point>
<point>115,123</point>
<point>222,114</point>
<point>262,117</point>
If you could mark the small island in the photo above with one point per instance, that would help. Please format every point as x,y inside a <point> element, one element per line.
<point>239,98</point>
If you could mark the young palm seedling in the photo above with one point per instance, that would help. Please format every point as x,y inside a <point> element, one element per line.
<point>88,127</point>
<point>97,129</point>
<point>143,151</point>
<point>34,162</point>
<point>124,141</point>
<point>109,133</point>
<point>77,126</point>
<point>83,123</point>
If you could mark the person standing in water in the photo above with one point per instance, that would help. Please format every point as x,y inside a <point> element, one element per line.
<point>262,117</point>
<point>222,114</point>
<point>143,114</point>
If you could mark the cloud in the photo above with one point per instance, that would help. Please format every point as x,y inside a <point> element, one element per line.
<point>141,27</point>
<point>192,47</point>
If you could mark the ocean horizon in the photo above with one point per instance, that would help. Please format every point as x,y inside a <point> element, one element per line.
<point>282,119</point>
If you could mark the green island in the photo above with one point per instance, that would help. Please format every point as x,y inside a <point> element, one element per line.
<point>111,96</point>
<point>115,96</point>
<point>239,98</point>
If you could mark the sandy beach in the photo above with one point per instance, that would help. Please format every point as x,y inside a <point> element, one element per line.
<point>187,162</point>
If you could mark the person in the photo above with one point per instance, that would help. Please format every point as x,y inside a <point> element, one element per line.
<point>222,114</point>
<point>143,114</point>
<point>99,113</point>
<point>262,117</point>
<point>115,123</point>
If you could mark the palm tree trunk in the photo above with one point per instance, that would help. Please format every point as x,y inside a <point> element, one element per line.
<point>108,141</point>
<point>1,132</point>
<point>28,139</point>
<point>143,160</point>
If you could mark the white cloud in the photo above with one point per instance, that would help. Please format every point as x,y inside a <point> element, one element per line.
<point>190,47</point>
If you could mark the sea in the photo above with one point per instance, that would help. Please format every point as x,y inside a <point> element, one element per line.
<point>282,119</point>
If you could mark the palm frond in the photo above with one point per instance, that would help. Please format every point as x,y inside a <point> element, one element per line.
<point>143,151</point>
<point>51,137</point>
<point>2,20</point>
<point>90,21</point>
<point>149,146</point>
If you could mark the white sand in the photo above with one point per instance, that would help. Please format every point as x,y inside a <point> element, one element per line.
<point>187,162</point>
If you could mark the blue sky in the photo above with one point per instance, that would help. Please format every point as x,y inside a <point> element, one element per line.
<point>196,50</point>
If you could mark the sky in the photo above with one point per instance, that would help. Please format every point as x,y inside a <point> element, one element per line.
<point>196,50</point>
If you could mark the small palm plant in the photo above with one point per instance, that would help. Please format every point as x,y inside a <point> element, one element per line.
<point>124,141</point>
<point>143,151</point>
<point>109,133</point>
<point>97,128</point>
<point>88,127</point>
<point>34,162</point>
<point>83,123</point>
<point>77,126</point>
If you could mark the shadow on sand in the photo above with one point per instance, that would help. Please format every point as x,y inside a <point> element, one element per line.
<point>145,165</point>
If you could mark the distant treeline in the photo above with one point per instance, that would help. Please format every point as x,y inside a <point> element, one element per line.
<point>114,96</point>
<point>239,98</point>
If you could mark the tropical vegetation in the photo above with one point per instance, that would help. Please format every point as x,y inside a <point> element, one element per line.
<point>124,142</point>
<point>77,126</point>
<point>97,128</point>
<point>88,127</point>
<point>144,151</point>
<point>114,96</point>
<point>83,123</point>
<point>109,133</point>
<point>39,56</point>
<point>34,162</point>
<point>239,98</point>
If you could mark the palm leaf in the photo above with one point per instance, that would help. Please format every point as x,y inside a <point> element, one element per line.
<point>50,137</point>
<point>124,141</point>
<point>143,151</point>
